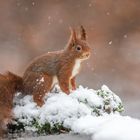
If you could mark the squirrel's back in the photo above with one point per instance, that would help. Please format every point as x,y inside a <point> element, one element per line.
<point>48,62</point>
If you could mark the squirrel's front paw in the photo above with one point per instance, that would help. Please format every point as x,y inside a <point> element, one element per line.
<point>73,88</point>
<point>40,103</point>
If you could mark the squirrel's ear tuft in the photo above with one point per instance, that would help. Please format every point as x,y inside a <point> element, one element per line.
<point>83,35</point>
<point>73,35</point>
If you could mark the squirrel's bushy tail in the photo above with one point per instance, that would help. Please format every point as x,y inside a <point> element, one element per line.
<point>15,81</point>
<point>9,85</point>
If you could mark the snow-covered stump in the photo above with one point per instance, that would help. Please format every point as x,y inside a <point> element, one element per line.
<point>61,111</point>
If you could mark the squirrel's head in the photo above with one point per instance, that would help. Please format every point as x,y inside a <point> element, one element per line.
<point>77,45</point>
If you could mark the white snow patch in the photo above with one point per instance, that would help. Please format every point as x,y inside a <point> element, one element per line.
<point>77,112</point>
<point>62,108</point>
<point>108,127</point>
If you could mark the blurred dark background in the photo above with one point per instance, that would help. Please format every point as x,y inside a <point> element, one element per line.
<point>29,28</point>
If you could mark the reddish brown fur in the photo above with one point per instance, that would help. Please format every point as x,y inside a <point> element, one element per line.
<point>58,64</point>
<point>9,84</point>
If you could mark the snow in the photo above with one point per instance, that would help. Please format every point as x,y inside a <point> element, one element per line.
<point>90,5</point>
<point>64,109</point>
<point>42,79</point>
<point>110,42</point>
<point>125,36</point>
<point>33,3</point>
<point>108,127</point>
<point>84,111</point>
<point>107,13</point>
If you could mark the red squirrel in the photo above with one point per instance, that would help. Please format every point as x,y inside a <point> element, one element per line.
<point>43,73</point>
<point>9,85</point>
<point>56,67</point>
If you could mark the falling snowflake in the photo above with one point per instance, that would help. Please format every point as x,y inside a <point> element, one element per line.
<point>60,21</point>
<point>110,42</point>
<point>26,9</point>
<point>33,3</point>
<point>90,5</point>
<point>125,36</point>
<point>107,13</point>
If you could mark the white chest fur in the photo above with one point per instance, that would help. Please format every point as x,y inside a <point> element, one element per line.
<point>76,67</point>
<point>55,81</point>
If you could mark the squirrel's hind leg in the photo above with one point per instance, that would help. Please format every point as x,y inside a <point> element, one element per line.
<point>42,87</point>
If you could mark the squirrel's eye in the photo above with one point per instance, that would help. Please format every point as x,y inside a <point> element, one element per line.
<point>78,48</point>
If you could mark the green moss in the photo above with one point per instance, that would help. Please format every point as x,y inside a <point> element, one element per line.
<point>120,108</point>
